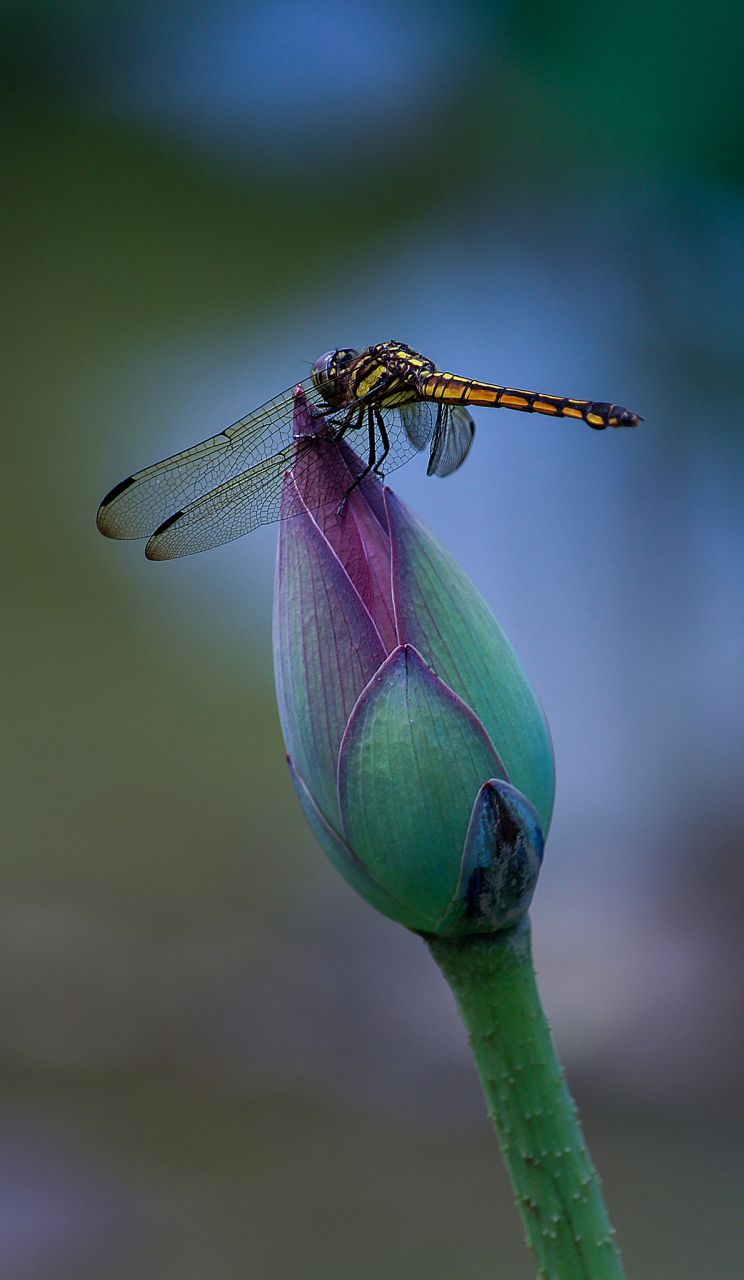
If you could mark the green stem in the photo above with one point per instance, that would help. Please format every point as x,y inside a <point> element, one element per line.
<point>556,1185</point>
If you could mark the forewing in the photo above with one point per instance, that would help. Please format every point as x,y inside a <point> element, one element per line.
<point>139,505</point>
<point>453,437</point>
<point>418,421</point>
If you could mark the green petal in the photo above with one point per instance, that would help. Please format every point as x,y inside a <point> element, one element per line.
<point>439,611</point>
<point>340,856</point>
<point>412,759</point>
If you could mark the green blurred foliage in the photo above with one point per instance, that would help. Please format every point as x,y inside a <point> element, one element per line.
<point>117,744</point>
<point>649,83</point>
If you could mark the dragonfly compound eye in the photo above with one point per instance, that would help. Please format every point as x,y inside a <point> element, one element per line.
<point>328,370</point>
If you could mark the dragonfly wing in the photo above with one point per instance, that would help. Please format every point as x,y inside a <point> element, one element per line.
<point>139,505</point>
<point>418,421</point>
<point>225,513</point>
<point>453,436</point>
<point>226,486</point>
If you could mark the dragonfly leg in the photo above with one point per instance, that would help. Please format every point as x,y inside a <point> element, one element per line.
<point>385,439</point>
<point>350,424</point>
<point>370,459</point>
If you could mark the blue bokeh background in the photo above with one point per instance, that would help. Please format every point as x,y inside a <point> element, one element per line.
<point>213,1059</point>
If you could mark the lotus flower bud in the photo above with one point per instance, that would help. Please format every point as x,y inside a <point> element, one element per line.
<point>420,754</point>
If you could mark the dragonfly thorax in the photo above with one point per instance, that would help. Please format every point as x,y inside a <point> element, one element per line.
<point>328,374</point>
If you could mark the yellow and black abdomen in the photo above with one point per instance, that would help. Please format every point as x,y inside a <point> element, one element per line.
<point>451,389</point>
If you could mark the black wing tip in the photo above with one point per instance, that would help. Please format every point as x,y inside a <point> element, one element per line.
<point>110,498</point>
<point>167,523</point>
<point>114,493</point>
<point>151,550</point>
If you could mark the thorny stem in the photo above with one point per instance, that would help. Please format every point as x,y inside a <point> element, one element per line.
<point>555,1183</point>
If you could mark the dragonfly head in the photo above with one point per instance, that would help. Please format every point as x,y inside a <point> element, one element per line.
<point>328,373</point>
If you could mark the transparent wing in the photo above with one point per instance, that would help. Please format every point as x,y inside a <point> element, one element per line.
<point>453,436</point>
<point>418,421</point>
<point>140,504</point>
<point>227,512</point>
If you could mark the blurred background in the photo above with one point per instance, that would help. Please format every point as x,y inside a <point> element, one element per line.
<point>215,1060</point>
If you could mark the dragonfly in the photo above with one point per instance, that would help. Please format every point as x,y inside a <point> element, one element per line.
<point>388,399</point>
